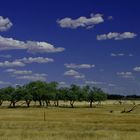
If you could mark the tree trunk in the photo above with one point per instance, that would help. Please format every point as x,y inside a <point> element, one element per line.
<point>28,103</point>
<point>71,103</point>
<point>57,103</point>
<point>1,102</point>
<point>43,103</point>
<point>91,104</point>
<point>54,103</point>
<point>10,104</point>
<point>14,104</point>
<point>46,103</point>
<point>40,103</point>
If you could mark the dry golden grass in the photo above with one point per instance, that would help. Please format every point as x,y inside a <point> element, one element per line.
<point>70,124</point>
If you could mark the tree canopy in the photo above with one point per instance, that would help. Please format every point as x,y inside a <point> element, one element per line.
<point>43,93</point>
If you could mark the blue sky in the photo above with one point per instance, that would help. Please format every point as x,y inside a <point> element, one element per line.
<point>77,41</point>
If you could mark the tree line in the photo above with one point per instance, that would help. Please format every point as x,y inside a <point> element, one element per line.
<point>43,93</point>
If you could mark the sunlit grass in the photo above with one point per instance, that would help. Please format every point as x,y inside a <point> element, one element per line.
<point>70,124</point>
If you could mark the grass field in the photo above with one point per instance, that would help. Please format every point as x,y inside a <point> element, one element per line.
<point>70,124</point>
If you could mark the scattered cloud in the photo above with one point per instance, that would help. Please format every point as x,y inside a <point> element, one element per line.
<point>5,24</point>
<point>33,77</point>
<point>74,74</point>
<point>22,62</point>
<point>126,75</point>
<point>130,55</point>
<point>80,76</point>
<point>62,83</point>
<point>82,21</point>
<point>111,85</point>
<point>18,72</point>
<point>71,73</point>
<point>4,83</point>
<point>120,54</point>
<point>136,69</point>
<point>80,66</point>
<point>30,46</point>
<point>35,60</point>
<point>110,17</point>
<point>26,75</point>
<point>11,64</point>
<point>42,47</point>
<point>116,36</point>
<point>93,82</point>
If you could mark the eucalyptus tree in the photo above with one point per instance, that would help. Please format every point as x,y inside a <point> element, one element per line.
<point>50,92</point>
<point>58,96</point>
<point>99,96</point>
<point>15,96</point>
<point>72,94</point>
<point>5,94</point>
<point>26,96</point>
<point>2,96</point>
<point>96,94</point>
<point>37,90</point>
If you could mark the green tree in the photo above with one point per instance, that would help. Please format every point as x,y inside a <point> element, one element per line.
<point>96,94</point>
<point>3,96</point>
<point>15,96</point>
<point>37,90</point>
<point>99,96</point>
<point>50,92</point>
<point>72,94</point>
<point>26,96</point>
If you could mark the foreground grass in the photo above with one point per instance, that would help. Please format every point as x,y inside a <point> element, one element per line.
<point>70,124</point>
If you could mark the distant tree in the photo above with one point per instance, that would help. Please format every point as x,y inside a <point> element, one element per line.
<point>72,94</point>
<point>63,93</point>
<point>99,96</point>
<point>86,92</point>
<point>42,92</point>
<point>2,96</point>
<point>15,96</point>
<point>90,96</point>
<point>5,93</point>
<point>26,96</point>
<point>58,96</point>
<point>96,94</point>
<point>37,90</point>
<point>115,96</point>
<point>50,92</point>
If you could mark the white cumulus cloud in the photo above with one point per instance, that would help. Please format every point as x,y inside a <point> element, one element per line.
<point>24,61</point>
<point>82,21</point>
<point>30,46</point>
<point>136,69</point>
<point>11,64</point>
<point>5,24</point>
<point>74,74</point>
<point>116,36</point>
